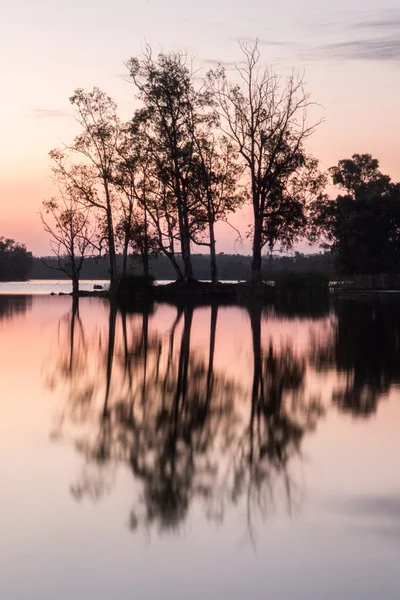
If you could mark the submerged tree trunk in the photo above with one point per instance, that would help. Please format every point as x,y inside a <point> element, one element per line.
<point>257,388</point>
<point>74,316</point>
<point>210,370</point>
<point>110,357</point>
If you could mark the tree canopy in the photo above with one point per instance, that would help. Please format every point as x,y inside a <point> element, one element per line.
<point>15,260</point>
<point>362,226</point>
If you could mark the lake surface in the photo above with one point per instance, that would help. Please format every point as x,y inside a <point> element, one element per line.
<point>47,286</point>
<point>214,453</point>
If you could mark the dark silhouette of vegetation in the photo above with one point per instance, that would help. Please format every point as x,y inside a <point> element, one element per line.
<point>191,155</point>
<point>266,120</point>
<point>70,233</point>
<point>231,267</point>
<point>362,227</point>
<point>197,149</point>
<point>15,260</point>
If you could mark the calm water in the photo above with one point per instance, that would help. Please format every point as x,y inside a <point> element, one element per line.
<point>203,454</point>
<point>46,286</point>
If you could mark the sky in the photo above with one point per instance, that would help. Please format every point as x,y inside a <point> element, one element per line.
<point>349,53</point>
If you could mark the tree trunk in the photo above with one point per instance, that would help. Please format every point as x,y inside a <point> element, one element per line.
<point>125,255</point>
<point>257,245</point>
<point>75,287</point>
<point>213,255</point>
<point>111,250</point>
<point>145,264</point>
<point>145,256</point>
<point>185,247</point>
<point>187,259</point>
<point>110,236</point>
<point>128,231</point>
<point>185,242</point>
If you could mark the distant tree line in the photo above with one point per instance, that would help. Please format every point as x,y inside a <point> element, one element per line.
<point>230,266</point>
<point>15,260</point>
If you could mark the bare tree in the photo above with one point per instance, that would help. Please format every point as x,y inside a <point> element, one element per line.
<point>91,179</point>
<point>70,233</point>
<point>266,118</point>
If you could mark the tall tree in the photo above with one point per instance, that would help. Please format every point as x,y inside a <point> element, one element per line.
<point>15,260</point>
<point>216,184</point>
<point>134,181</point>
<point>165,86</point>
<point>266,119</point>
<point>96,146</point>
<point>361,227</point>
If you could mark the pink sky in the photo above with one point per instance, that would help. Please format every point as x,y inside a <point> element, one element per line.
<point>350,58</point>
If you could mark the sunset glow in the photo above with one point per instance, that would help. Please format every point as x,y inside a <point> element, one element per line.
<point>350,59</point>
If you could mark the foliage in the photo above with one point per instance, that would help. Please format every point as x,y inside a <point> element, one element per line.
<point>293,284</point>
<point>362,227</point>
<point>70,233</point>
<point>15,260</point>
<point>266,120</point>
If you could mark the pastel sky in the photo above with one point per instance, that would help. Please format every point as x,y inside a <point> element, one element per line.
<point>350,53</point>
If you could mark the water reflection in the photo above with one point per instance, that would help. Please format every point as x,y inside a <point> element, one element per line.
<point>186,430</point>
<point>139,393</point>
<point>365,345</point>
<point>11,306</point>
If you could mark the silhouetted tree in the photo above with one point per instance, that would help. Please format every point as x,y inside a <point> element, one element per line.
<point>165,86</point>
<point>132,178</point>
<point>216,184</point>
<point>71,234</point>
<point>267,122</point>
<point>91,179</point>
<point>15,260</point>
<point>361,228</point>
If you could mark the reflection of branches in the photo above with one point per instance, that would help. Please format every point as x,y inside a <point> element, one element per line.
<point>365,346</point>
<point>183,428</point>
<point>13,305</point>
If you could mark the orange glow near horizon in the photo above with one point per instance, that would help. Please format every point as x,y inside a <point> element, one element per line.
<point>356,91</point>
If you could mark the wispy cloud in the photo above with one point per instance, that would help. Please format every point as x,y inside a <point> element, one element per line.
<point>385,49</point>
<point>366,37</point>
<point>48,113</point>
<point>387,21</point>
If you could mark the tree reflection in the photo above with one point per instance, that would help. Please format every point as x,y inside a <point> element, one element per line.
<point>156,403</point>
<point>11,306</point>
<point>365,347</point>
